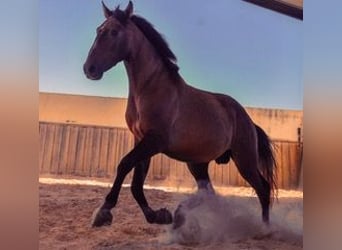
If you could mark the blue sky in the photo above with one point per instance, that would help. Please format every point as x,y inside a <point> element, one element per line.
<point>227,46</point>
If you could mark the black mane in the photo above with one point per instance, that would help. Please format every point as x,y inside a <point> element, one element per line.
<point>155,38</point>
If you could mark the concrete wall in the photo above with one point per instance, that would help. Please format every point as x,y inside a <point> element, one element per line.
<point>86,110</point>
<point>280,124</point>
<point>104,111</point>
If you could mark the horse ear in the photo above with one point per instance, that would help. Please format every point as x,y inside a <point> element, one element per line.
<point>129,9</point>
<point>107,12</point>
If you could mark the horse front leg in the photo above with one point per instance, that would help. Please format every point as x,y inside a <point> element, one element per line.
<point>161,216</point>
<point>144,150</point>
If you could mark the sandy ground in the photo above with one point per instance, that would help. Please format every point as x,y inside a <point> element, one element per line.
<point>229,221</point>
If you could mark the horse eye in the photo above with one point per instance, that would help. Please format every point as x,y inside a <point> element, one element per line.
<point>114,32</point>
<point>99,31</point>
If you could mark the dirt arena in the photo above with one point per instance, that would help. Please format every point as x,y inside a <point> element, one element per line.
<point>66,207</point>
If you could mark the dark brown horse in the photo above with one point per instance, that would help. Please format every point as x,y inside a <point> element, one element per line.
<point>168,116</point>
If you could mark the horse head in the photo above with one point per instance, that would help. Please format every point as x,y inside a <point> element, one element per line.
<point>111,44</point>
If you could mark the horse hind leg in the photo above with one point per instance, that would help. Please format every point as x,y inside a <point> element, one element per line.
<point>247,165</point>
<point>224,158</point>
<point>200,172</point>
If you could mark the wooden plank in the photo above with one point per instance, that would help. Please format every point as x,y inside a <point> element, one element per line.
<point>80,149</point>
<point>216,176</point>
<point>280,6</point>
<point>95,151</point>
<point>157,167</point>
<point>172,172</point>
<point>285,165</point>
<point>104,151</point>
<point>62,166</point>
<point>222,169</point>
<point>225,174</point>
<point>162,173</point>
<point>56,149</point>
<point>233,175</point>
<point>42,146</point>
<point>280,162</point>
<point>85,167</point>
<point>160,167</point>
<point>294,167</point>
<point>72,150</point>
<point>219,171</point>
<point>298,3</point>
<point>49,142</point>
<point>166,164</point>
<point>112,152</point>
<point>291,162</point>
<point>179,174</point>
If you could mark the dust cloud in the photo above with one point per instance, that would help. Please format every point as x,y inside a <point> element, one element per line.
<point>210,219</point>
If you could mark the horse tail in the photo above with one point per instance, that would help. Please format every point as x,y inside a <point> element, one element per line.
<point>267,160</point>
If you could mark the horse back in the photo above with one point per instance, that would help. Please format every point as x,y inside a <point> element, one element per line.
<point>203,126</point>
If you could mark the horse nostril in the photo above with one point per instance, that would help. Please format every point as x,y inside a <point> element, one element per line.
<point>92,69</point>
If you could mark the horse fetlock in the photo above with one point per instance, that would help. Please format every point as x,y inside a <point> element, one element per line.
<point>161,216</point>
<point>265,217</point>
<point>179,218</point>
<point>103,218</point>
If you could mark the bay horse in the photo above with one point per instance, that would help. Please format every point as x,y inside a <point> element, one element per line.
<point>166,115</point>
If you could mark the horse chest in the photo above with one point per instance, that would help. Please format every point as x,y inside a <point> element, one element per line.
<point>142,117</point>
<point>137,131</point>
<point>134,125</point>
<point>132,119</point>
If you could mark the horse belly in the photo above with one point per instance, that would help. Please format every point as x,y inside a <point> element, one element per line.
<point>198,148</point>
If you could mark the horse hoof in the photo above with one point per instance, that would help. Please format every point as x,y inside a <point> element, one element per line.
<point>163,216</point>
<point>103,218</point>
<point>179,219</point>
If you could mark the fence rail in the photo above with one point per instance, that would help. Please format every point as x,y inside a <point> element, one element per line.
<point>93,151</point>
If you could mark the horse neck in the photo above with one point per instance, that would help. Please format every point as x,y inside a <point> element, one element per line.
<point>145,69</point>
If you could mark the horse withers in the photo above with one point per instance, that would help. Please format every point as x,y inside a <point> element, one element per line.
<point>166,115</point>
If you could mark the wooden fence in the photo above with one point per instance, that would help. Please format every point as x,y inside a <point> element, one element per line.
<point>92,151</point>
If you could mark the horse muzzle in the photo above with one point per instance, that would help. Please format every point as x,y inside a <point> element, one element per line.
<point>92,72</point>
